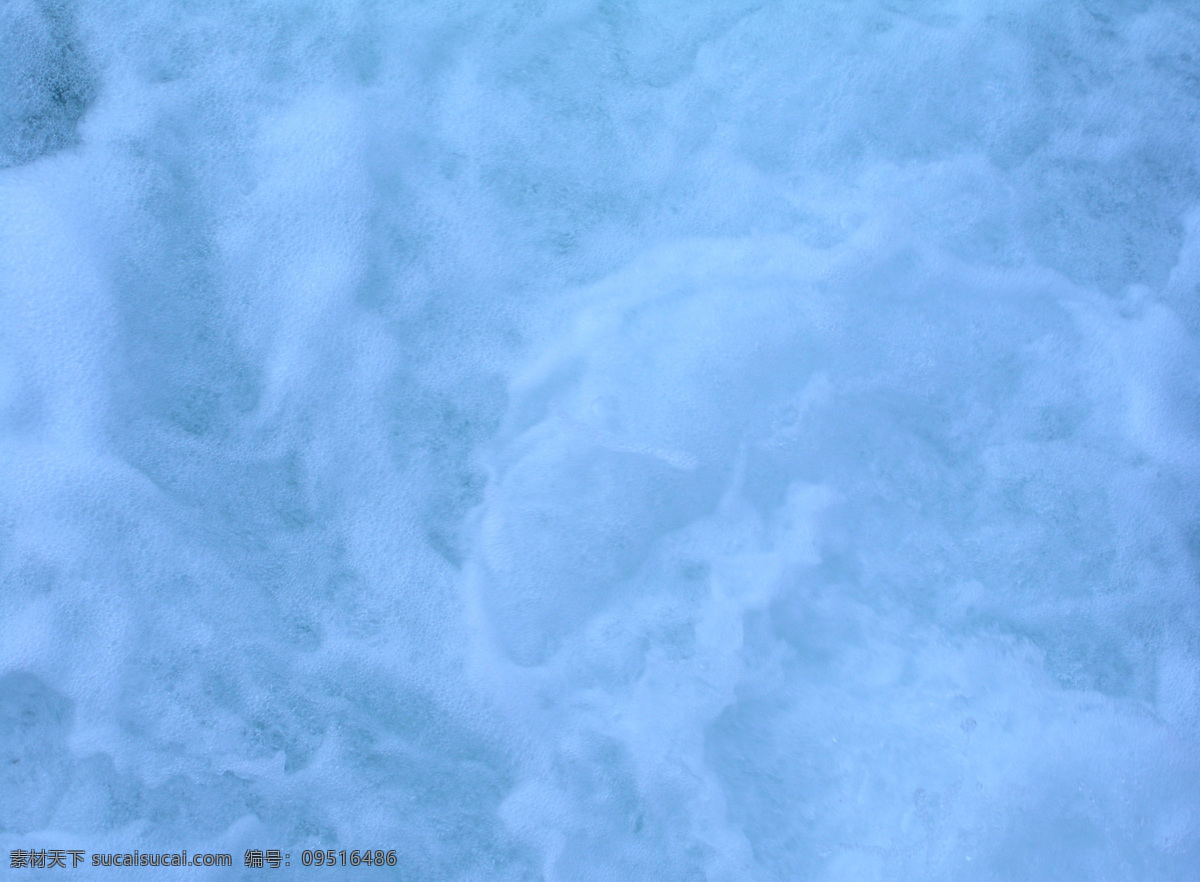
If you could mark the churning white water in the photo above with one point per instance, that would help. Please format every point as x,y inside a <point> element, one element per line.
<point>603,440</point>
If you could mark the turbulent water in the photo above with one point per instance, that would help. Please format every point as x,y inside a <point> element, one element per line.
<point>603,440</point>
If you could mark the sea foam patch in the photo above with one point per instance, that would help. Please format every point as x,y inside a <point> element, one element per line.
<point>593,441</point>
<point>906,539</point>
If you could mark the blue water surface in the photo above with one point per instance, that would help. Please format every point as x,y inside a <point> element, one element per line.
<point>593,440</point>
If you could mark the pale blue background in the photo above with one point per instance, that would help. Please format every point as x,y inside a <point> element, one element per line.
<point>602,440</point>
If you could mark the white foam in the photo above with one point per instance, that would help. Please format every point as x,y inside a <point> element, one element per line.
<point>604,441</point>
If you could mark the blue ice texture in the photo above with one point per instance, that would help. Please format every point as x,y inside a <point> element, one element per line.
<point>589,440</point>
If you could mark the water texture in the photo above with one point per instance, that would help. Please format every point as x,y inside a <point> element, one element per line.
<point>603,440</point>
